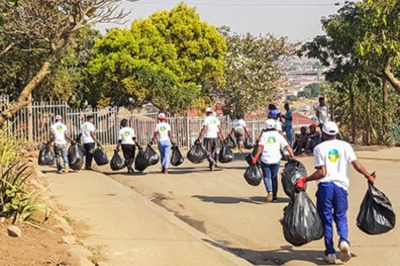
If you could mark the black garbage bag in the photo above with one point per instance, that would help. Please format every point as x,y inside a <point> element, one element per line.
<point>100,156</point>
<point>117,163</point>
<point>285,156</point>
<point>151,155</point>
<point>376,215</point>
<point>141,162</point>
<point>176,158</point>
<point>225,154</point>
<point>249,143</point>
<point>196,154</point>
<point>253,175</point>
<point>301,222</point>
<point>228,141</point>
<point>46,155</point>
<point>76,156</point>
<point>293,170</point>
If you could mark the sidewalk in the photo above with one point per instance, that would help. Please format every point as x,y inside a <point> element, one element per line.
<point>130,229</point>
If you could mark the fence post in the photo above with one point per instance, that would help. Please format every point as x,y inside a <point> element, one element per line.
<point>30,121</point>
<point>189,136</point>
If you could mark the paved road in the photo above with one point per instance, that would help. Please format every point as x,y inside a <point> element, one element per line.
<point>223,206</point>
<point>236,217</point>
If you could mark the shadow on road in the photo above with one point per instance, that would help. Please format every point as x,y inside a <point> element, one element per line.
<point>233,200</point>
<point>279,256</point>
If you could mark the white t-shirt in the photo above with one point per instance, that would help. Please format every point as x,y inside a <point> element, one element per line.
<point>126,135</point>
<point>336,156</point>
<point>59,130</point>
<point>162,130</point>
<point>278,125</point>
<point>212,124</point>
<point>238,124</point>
<point>86,128</point>
<point>322,114</point>
<point>273,142</point>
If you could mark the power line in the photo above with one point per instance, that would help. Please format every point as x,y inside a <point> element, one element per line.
<point>243,5</point>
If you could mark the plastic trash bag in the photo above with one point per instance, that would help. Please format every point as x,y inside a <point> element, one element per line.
<point>228,141</point>
<point>176,158</point>
<point>117,163</point>
<point>151,155</point>
<point>249,143</point>
<point>46,155</point>
<point>301,221</point>
<point>76,154</point>
<point>196,154</point>
<point>141,162</point>
<point>225,154</point>
<point>100,156</point>
<point>293,170</point>
<point>376,215</point>
<point>285,155</point>
<point>253,174</point>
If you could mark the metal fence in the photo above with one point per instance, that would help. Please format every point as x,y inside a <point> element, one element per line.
<point>32,123</point>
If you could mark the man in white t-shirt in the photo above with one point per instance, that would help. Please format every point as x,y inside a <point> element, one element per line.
<point>239,129</point>
<point>127,142</point>
<point>322,112</point>
<point>89,140</point>
<point>59,135</point>
<point>162,132</point>
<point>211,132</point>
<point>331,159</point>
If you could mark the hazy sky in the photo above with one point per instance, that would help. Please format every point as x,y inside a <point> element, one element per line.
<point>297,19</point>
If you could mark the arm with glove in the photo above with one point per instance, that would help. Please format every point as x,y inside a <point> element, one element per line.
<point>258,153</point>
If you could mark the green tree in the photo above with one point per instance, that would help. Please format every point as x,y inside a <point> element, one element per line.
<point>170,59</point>
<point>252,70</point>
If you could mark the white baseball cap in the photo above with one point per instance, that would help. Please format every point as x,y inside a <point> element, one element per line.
<point>161,116</point>
<point>269,124</point>
<point>330,128</point>
<point>209,110</point>
<point>58,117</point>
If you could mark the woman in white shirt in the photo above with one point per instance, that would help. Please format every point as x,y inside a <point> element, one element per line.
<point>269,148</point>
<point>165,140</point>
<point>239,129</point>
<point>127,141</point>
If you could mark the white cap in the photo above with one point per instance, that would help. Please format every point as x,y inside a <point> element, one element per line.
<point>58,117</point>
<point>161,116</point>
<point>209,110</point>
<point>330,128</point>
<point>269,124</point>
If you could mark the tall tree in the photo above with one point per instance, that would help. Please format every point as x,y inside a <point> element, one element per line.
<point>252,70</point>
<point>170,59</point>
<point>53,23</point>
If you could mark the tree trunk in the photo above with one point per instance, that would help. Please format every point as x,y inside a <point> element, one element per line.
<point>368,129</point>
<point>24,98</point>
<point>388,75</point>
<point>385,99</point>
<point>352,115</point>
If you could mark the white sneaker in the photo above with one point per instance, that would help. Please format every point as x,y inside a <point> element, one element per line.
<point>330,258</point>
<point>345,254</point>
<point>66,168</point>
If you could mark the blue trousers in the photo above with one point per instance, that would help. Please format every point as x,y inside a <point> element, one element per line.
<point>270,173</point>
<point>289,134</point>
<point>61,150</point>
<point>332,204</point>
<point>164,147</point>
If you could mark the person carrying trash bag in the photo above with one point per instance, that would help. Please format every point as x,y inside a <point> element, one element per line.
<point>331,159</point>
<point>211,132</point>
<point>269,151</point>
<point>165,140</point>
<point>127,141</point>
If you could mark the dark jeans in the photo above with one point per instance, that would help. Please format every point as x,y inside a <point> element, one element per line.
<point>89,147</point>
<point>128,151</point>
<point>210,145</point>
<point>270,173</point>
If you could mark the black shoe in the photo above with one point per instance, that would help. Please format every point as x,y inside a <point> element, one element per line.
<point>211,166</point>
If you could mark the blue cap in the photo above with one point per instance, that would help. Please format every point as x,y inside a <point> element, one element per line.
<point>273,113</point>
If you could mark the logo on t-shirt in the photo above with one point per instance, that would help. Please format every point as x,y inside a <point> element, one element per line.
<point>163,128</point>
<point>127,133</point>
<point>59,127</point>
<point>271,140</point>
<point>213,122</point>
<point>333,155</point>
<point>84,127</point>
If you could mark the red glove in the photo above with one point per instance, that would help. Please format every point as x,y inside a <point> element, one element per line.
<point>254,160</point>
<point>301,182</point>
<point>258,139</point>
<point>371,179</point>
